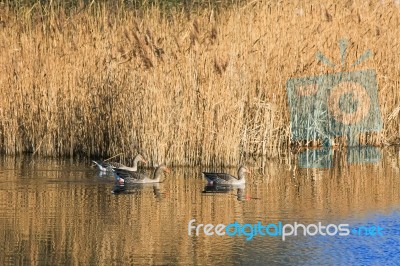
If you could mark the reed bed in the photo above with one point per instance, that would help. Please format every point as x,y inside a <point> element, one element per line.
<point>185,88</point>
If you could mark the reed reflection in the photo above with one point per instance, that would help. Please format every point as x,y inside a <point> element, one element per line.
<point>60,212</point>
<point>324,157</point>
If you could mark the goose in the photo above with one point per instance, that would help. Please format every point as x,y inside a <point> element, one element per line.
<point>227,179</point>
<point>131,177</point>
<point>106,167</point>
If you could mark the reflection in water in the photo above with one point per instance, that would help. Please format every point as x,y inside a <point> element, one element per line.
<point>134,188</point>
<point>61,212</point>
<point>221,188</point>
<point>363,154</point>
<point>318,158</point>
<point>323,158</point>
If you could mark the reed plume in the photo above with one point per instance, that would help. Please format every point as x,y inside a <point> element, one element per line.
<point>206,87</point>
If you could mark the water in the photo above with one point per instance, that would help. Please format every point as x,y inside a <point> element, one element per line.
<point>56,212</point>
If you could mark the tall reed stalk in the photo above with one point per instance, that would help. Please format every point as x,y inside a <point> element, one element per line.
<point>183,88</point>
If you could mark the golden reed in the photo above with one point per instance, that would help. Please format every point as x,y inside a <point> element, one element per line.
<point>183,88</point>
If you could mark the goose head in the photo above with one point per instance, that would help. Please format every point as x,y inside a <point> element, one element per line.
<point>140,158</point>
<point>161,169</point>
<point>242,171</point>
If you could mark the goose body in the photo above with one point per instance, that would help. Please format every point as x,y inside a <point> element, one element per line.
<point>131,177</point>
<point>227,179</point>
<point>108,166</point>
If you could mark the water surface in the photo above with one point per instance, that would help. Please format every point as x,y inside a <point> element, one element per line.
<point>56,212</point>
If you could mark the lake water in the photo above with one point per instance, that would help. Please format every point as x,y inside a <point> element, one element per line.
<point>56,212</point>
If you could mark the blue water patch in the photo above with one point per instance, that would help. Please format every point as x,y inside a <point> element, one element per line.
<point>354,249</point>
<point>361,249</point>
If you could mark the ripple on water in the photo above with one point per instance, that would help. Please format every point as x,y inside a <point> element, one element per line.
<point>63,212</point>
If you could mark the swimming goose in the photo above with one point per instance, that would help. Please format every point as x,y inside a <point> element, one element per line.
<point>140,178</point>
<point>227,179</point>
<point>107,166</point>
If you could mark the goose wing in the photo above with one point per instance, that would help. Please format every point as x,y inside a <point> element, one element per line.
<point>218,177</point>
<point>116,165</point>
<point>129,175</point>
<point>104,165</point>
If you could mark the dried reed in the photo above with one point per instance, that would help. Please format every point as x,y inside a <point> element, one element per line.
<point>203,88</point>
